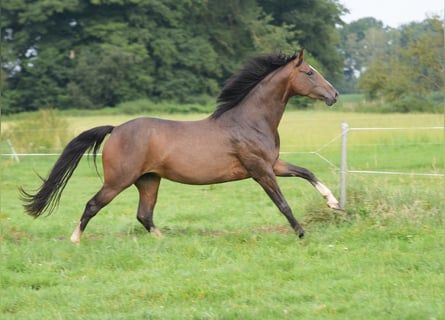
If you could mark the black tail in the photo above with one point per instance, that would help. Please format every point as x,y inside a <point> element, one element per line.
<point>48,195</point>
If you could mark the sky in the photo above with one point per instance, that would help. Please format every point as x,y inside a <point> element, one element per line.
<point>392,13</point>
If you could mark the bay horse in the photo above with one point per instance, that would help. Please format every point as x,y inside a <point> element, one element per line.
<point>238,140</point>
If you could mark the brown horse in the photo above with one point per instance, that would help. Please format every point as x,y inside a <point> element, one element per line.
<point>238,141</point>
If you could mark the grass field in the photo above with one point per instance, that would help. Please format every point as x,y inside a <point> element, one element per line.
<point>227,253</point>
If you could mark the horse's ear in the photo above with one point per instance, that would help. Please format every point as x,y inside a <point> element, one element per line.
<point>300,57</point>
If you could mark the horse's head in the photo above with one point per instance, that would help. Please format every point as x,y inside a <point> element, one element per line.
<point>306,81</point>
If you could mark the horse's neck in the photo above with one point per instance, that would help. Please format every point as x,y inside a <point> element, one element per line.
<point>264,105</point>
<point>270,98</point>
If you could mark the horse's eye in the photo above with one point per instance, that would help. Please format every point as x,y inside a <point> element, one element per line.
<point>310,72</point>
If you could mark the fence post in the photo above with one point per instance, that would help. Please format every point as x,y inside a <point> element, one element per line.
<point>344,165</point>
<point>13,153</point>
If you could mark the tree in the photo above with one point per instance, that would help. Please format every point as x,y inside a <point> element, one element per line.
<point>313,23</point>
<point>107,74</point>
<point>363,41</point>
<point>36,70</point>
<point>95,53</point>
<point>412,71</point>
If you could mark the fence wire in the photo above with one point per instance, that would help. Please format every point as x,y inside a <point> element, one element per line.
<point>317,152</point>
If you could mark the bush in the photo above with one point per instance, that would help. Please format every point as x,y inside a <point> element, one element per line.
<point>414,104</point>
<point>46,132</point>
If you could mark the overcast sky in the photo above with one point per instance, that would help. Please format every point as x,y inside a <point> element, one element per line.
<point>392,12</point>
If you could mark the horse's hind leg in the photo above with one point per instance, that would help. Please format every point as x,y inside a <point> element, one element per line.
<point>148,186</point>
<point>100,200</point>
<point>284,169</point>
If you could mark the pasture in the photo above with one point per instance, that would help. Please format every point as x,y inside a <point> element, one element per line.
<point>227,253</point>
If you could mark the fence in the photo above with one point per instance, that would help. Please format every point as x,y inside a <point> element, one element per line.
<point>343,168</point>
<point>344,156</point>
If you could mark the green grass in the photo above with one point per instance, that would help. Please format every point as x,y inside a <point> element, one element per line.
<point>227,253</point>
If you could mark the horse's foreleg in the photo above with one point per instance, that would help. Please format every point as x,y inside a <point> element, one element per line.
<point>148,186</point>
<point>284,169</point>
<point>270,185</point>
<point>101,199</point>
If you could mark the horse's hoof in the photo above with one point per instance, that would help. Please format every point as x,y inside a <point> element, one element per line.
<point>156,233</point>
<point>335,206</point>
<point>75,237</point>
<point>300,233</point>
<point>75,241</point>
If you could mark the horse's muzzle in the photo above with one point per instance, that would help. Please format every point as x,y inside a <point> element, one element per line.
<point>330,100</point>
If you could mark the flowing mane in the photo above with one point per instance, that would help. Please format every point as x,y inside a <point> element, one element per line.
<point>241,83</point>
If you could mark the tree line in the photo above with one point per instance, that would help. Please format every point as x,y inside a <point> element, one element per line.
<point>403,66</point>
<point>87,54</point>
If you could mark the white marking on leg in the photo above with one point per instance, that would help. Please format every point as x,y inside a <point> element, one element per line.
<point>327,194</point>
<point>156,233</point>
<point>75,237</point>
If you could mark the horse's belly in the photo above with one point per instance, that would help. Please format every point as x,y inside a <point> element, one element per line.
<point>193,170</point>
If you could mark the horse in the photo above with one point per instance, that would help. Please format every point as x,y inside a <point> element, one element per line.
<point>239,140</point>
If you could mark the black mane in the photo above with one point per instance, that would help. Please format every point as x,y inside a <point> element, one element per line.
<point>241,83</point>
